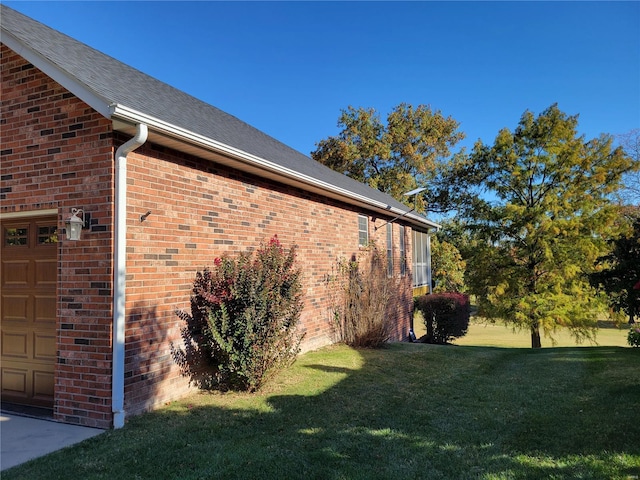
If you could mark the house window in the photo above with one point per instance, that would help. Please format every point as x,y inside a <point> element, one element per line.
<point>363,230</point>
<point>403,252</point>
<point>389,249</point>
<point>421,259</point>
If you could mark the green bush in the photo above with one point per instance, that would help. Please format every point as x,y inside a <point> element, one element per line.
<point>361,295</point>
<point>244,314</point>
<point>634,336</point>
<point>446,316</point>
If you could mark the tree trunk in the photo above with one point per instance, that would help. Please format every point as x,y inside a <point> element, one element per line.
<point>535,337</point>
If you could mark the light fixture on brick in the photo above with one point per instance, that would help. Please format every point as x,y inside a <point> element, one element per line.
<point>75,224</point>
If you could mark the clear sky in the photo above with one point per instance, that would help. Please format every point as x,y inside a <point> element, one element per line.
<point>288,68</point>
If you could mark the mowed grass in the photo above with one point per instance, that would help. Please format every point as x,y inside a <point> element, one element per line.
<point>409,411</point>
<point>499,335</point>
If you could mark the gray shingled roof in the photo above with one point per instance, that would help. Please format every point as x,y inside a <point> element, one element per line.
<point>117,83</point>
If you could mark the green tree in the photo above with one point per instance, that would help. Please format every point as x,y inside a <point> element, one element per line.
<point>393,158</point>
<point>541,222</point>
<point>618,271</point>
<point>448,266</point>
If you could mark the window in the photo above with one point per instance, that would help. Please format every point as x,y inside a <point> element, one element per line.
<point>14,237</point>
<point>389,249</point>
<point>421,259</point>
<point>47,234</point>
<point>363,230</point>
<point>403,251</point>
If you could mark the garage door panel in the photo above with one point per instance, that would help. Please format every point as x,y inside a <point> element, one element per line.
<point>15,308</point>
<point>14,382</point>
<point>43,385</point>
<point>15,344</point>
<point>46,272</point>
<point>15,273</point>
<point>44,346</point>
<point>45,309</point>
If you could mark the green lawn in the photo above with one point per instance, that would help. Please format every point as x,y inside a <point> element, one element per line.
<point>405,412</point>
<point>499,335</point>
<point>487,334</point>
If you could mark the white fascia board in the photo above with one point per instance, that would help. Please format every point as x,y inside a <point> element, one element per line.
<point>50,69</point>
<point>130,115</point>
<point>424,221</point>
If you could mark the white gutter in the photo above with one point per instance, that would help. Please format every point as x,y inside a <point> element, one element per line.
<point>133,116</point>
<point>120,271</point>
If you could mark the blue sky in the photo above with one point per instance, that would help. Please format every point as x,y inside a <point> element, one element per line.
<point>288,68</point>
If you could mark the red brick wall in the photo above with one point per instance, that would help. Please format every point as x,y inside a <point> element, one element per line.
<point>199,211</point>
<point>58,153</point>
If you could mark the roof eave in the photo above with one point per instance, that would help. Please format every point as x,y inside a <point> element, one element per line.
<point>52,70</point>
<point>167,134</point>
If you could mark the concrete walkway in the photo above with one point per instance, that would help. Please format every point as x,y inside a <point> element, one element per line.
<point>25,438</point>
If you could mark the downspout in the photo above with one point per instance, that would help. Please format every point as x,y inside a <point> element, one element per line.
<point>120,271</point>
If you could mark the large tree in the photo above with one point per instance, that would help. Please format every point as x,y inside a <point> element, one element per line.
<point>541,222</point>
<point>395,157</point>
<point>618,272</point>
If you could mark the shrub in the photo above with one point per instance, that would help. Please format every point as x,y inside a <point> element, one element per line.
<point>446,316</point>
<point>634,336</point>
<point>244,314</point>
<point>362,291</point>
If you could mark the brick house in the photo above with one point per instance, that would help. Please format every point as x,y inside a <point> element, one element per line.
<point>165,183</point>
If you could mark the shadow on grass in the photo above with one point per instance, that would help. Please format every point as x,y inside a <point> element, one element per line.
<point>409,411</point>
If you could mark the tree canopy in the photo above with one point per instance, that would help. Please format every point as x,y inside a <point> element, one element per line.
<point>448,266</point>
<point>540,222</point>
<point>395,157</point>
<point>618,272</point>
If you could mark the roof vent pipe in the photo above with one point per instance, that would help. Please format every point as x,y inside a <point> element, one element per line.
<point>120,271</point>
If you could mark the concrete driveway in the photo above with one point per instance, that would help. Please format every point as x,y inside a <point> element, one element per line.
<point>25,438</point>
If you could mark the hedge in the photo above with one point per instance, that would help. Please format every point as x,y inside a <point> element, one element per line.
<point>446,316</point>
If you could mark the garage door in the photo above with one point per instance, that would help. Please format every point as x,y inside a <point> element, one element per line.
<point>28,273</point>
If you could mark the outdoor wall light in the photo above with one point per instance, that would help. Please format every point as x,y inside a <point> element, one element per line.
<point>74,224</point>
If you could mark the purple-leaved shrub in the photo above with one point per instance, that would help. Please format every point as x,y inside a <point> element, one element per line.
<point>242,327</point>
<point>446,316</point>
